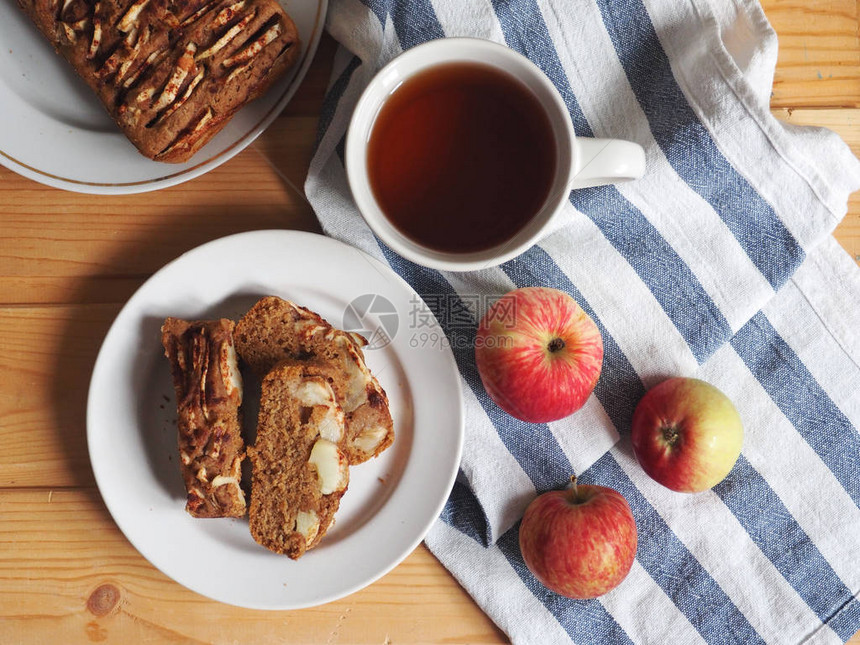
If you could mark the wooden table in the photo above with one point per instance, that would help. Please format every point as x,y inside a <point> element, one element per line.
<point>69,261</point>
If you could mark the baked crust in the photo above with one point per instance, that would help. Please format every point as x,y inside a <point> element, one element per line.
<point>171,73</point>
<point>274,330</point>
<point>208,389</point>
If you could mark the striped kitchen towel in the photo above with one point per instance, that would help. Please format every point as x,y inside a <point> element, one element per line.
<point>717,264</point>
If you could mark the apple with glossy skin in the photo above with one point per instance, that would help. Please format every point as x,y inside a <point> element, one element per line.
<point>579,542</point>
<point>538,353</point>
<point>687,434</point>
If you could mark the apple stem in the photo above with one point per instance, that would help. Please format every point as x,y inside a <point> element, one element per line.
<point>556,345</point>
<point>573,493</point>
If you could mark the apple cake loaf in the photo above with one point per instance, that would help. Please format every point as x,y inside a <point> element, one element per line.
<point>208,388</point>
<point>171,73</point>
<point>274,330</point>
<point>299,466</point>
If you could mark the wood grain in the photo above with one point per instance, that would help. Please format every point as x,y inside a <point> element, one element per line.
<point>50,350</point>
<point>819,53</point>
<point>66,570</point>
<point>75,248</point>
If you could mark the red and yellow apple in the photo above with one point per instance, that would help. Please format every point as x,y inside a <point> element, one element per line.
<point>579,542</point>
<point>686,434</point>
<point>538,353</point>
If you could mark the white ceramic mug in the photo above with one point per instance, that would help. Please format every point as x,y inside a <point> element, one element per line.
<point>581,162</point>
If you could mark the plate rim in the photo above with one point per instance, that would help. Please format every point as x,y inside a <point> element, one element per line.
<point>426,525</point>
<point>179,177</point>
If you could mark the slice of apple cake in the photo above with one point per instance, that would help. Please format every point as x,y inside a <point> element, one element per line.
<point>275,329</point>
<point>208,389</point>
<point>299,465</point>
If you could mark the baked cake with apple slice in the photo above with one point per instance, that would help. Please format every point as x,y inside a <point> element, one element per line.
<point>299,466</point>
<point>171,74</point>
<point>208,388</point>
<point>275,329</point>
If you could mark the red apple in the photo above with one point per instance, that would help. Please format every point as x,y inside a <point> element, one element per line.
<point>538,353</point>
<point>579,542</point>
<point>687,435</point>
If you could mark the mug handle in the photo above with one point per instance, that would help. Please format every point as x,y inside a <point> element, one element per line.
<point>607,161</point>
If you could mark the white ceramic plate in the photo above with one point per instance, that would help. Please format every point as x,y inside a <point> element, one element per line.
<point>56,131</point>
<point>391,501</point>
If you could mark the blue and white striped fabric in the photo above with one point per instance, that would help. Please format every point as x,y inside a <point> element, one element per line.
<point>718,263</point>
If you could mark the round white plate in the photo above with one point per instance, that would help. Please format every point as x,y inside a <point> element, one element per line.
<point>56,131</point>
<point>391,501</point>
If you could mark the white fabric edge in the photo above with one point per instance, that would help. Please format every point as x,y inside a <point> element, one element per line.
<point>831,188</point>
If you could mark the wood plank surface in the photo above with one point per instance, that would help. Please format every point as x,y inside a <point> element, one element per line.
<point>66,570</point>
<point>51,351</point>
<point>69,261</point>
<point>131,236</point>
<point>819,53</point>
